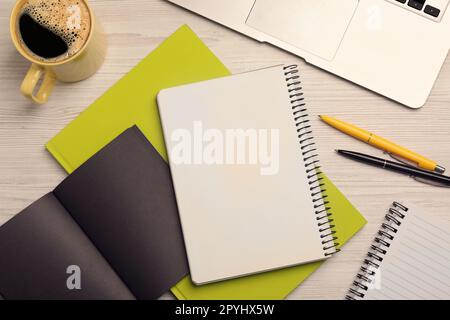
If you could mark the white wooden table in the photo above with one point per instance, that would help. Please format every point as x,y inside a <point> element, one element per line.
<point>136,27</point>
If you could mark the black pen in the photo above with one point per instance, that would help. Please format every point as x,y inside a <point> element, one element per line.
<point>395,166</point>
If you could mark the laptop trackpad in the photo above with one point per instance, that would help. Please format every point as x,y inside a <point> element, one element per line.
<point>316,26</point>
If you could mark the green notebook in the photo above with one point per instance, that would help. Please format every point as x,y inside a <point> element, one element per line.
<point>181,59</point>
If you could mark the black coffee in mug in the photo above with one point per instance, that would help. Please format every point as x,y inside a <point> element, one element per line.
<point>40,40</point>
<point>53,30</point>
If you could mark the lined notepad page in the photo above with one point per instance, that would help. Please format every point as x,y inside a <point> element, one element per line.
<point>417,264</point>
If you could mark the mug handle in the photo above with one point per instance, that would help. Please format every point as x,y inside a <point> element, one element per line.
<point>31,80</point>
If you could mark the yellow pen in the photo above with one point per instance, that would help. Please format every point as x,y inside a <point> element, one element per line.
<point>383,144</point>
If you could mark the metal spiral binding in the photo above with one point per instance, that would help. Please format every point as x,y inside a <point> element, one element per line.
<point>312,166</point>
<point>377,251</point>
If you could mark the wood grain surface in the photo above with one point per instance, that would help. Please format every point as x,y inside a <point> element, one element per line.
<point>136,27</point>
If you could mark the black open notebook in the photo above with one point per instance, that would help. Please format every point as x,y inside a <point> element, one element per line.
<point>115,218</point>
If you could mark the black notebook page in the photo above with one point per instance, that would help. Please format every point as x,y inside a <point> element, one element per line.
<point>123,199</point>
<point>36,248</point>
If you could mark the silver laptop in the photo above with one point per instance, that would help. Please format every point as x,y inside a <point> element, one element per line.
<point>393,47</point>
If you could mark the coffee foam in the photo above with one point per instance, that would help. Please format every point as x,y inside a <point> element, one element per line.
<point>69,19</point>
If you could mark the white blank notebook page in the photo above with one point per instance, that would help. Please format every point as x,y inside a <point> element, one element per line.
<point>417,265</point>
<point>237,221</point>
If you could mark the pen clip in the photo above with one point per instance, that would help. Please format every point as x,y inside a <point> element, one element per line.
<point>411,164</point>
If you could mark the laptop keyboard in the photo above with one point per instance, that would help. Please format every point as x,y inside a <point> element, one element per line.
<point>431,9</point>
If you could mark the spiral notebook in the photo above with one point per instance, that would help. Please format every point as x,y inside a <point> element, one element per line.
<point>245,172</point>
<point>408,260</point>
<point>181,58</point>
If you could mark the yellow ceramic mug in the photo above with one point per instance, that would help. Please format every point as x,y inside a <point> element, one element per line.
<point>78,66</point>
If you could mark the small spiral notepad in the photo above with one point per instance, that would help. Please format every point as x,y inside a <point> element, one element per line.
<point>245,214</point>
<point>408,260</point>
